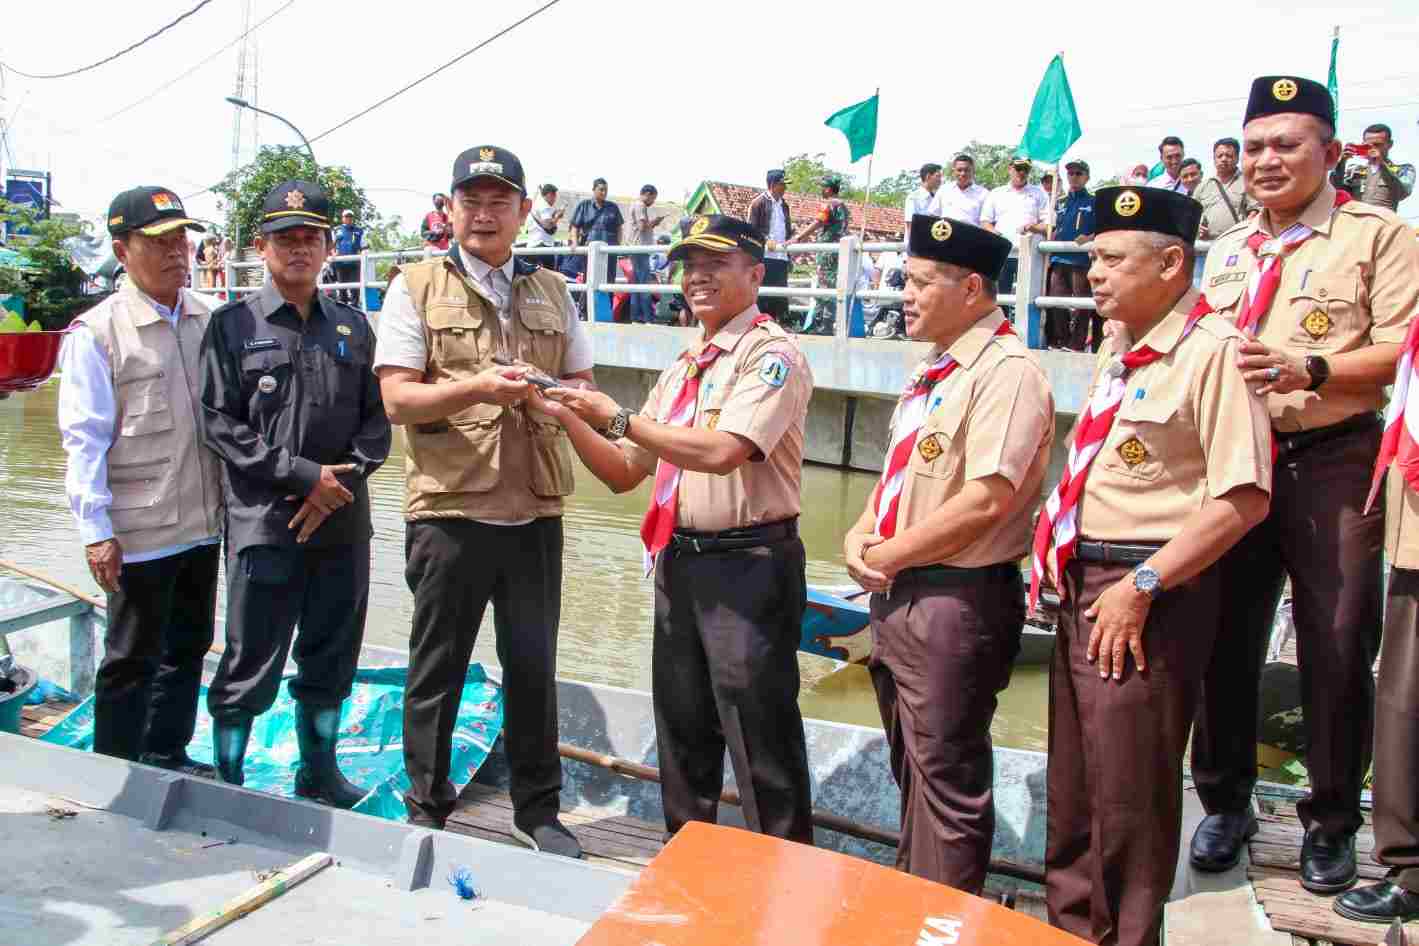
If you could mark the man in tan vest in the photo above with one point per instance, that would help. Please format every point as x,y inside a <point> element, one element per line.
<point>143,487</point>
<point>485,481</point>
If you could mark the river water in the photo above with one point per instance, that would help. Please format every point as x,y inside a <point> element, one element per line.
<point>606,603</point>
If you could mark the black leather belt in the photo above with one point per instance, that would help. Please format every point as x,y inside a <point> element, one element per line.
<point>1302,440</point>
<point>733,540</point>
<point>950,575</point>
<point>1115,553</point>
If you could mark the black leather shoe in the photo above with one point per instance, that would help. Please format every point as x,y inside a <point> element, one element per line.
<point>179,762</point>
<point>546,834</point>
<point>1217,842</point>
<point>1378,903</point>
<point>1327,862</point>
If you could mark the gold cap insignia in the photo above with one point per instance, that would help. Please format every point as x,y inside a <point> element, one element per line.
<point>1317,324</point>
<point>1128,203</point>
<point>486,154</point>
<point>929,448</point>
<point>941,231</point>
<point>699,226</point>
<point>116,221</point>
<point>1133,451</point>
<point>295,199</point>
<point>1284,90</point>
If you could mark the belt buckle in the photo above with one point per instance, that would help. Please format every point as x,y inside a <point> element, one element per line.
<point>695,544</point>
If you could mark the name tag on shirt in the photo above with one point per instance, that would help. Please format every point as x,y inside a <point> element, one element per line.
<point>260,344</point>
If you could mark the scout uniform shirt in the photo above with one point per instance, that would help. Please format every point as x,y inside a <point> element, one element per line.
<point>758,388</point>
<point>992,416</point>
<point>1352,284</point>
<point>1189,427</point>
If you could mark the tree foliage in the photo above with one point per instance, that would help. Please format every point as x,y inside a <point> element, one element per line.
<point>51,284</point>
<point>245,189</point>
<point>805,173</point>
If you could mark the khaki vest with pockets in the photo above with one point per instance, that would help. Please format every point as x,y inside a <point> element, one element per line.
<point>486,461</point>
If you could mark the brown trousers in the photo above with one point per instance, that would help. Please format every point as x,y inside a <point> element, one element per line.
<point>1114,778</point>
<point>1397,733</point>
<point>940,654</point>
<point>1316,534</point>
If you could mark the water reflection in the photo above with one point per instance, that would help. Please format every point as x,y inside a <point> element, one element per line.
<point>606,604</point>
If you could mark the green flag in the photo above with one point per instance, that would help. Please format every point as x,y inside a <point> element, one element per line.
<point>859,123</point>
<point>1332,82</point>
<point>1053,124</point>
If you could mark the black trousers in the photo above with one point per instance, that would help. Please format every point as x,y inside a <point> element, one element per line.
<point>775,274</point>
<point>1317,534</point>
<point>271,590</point>
<point>724,671</point>
<point>161,622</point>
<point>347,272</point>
<point>455,567</point>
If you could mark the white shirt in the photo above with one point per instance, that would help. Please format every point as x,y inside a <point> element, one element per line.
<point>960,204</point>
<point>920,201</point>
<point>778,228</point>
<point>88,426</point>
<point>1008,209</point>
<point>1168,183</point>
<point>540,229</point>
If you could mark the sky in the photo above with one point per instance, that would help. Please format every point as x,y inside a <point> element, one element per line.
<point>658,91</point>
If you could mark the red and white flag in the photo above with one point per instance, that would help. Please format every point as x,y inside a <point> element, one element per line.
<point>1400,444</point>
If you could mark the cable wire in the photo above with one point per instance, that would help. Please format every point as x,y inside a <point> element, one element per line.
<point>146,39</point>
<point>424,78</point>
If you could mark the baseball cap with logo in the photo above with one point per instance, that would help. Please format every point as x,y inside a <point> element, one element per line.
<point>1020,160</point>
<point>152,211</point>
<point>488,161</point>
<point>295,204</point>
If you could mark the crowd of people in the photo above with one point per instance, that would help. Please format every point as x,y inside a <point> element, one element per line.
<point>1227,445</point>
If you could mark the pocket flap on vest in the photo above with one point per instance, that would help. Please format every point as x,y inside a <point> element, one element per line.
<point>443,315</point>
<point>536,318</point>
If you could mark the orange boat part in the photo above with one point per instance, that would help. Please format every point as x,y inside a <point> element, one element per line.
<point>719,886</point>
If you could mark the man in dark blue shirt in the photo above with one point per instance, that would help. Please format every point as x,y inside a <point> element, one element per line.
<point>349,240</point>
<point>1068,273</point>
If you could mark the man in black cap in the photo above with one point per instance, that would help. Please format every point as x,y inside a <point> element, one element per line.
<point>769,215</point>
<point>144,488</point>
<point>722,433</point>
<point>1323,287</point>
<point>486,478</point>
<point>1169,465</point>
<point>293,410</point>
<point>940,541</point>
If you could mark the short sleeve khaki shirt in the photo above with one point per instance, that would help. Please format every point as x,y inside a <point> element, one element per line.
<point>1354,283</point>
<point>759,389</point>
<point>992,416</point>
<point>1189,428</point>
<point>1401,522</point>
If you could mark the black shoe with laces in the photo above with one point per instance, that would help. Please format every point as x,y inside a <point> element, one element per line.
<point>546,834</point>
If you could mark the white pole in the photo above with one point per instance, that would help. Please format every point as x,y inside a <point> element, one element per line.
<point>862,232</point>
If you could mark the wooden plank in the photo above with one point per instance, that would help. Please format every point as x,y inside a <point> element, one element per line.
<point>39,719</point>
<point>600,843</point>
<point>634,827</point>
<point>239,906</point>
<point>1293,909</point>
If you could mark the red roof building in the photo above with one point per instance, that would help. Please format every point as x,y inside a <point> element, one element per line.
<point>716,197</point>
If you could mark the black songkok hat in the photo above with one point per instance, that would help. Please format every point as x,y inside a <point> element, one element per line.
<point>1276,95</point>
<point>959,243</point>
<point>1150,209</point>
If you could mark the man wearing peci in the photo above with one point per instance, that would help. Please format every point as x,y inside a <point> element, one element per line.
<point>485,475</point>
<point>940,541</point>
<point>722,433</point>
<point>1323,287</point>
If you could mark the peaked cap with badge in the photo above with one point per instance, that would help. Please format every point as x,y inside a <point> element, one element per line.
<point>1285,95</point>
<point>959,243</point>
<point>295,204</point>
<point>720,234</point>
<point>488,162</point>
<point>1146,209</point>
<point>152,211</point>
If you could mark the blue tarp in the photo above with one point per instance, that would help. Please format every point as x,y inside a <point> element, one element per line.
<point>371,745</point>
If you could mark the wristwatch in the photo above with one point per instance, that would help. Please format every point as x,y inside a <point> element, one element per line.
<point>619,424</point>
<point>1319,370</point>
<point>1146,580</point>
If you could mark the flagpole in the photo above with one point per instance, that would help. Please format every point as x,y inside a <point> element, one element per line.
<point>866,201</point>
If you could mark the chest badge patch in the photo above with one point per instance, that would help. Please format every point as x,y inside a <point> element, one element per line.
<point>343,329</point>
<point>774,371</point>
<point>1133,452</point>
<point>711,420</point>
<point>267,384</point>
<point>929,448</point>
<point>1317,324</point>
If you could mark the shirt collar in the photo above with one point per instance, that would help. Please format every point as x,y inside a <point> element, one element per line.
<point>1164,336</point>
<point>1317,215</point>
<point>736,328</point>
<point>152,310</point>
<point>966,349</point>
<point>479,270</point>
<point>269,301</point>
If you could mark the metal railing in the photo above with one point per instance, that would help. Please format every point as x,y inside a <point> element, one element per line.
<point>1032,253</point>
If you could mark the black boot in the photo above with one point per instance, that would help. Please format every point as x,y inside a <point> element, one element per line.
<point>229,738</point>
<point>178,761</point>
<point>319,778</point>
